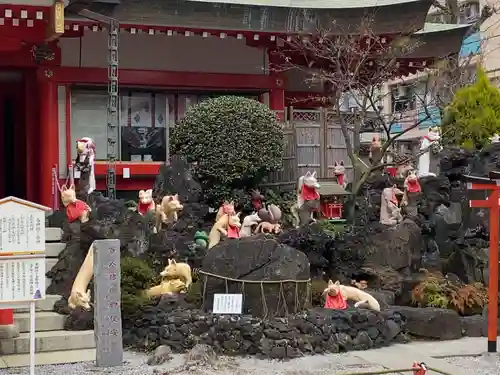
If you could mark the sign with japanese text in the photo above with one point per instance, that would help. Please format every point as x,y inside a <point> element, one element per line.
<point>22,279</point>
<point>227,303</point>
<point>107,311</point>
<point>22,227</point>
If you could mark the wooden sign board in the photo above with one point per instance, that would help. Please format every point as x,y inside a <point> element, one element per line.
<point>22,227</point>
<point>22,279</point>
<point>55,26</point>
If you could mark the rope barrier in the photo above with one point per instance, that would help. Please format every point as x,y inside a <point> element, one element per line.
<point>417,369</point>
<point>281,304</point>
<point>251,281</point>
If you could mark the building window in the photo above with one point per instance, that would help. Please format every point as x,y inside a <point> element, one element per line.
<point>436,17</point>
<point>403,98</point>
<point>89,118</point>
<point>143,119</point>
<point>469,13</point>
<point>143,126</point>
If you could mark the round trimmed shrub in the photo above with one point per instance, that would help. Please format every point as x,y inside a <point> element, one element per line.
<point>234,142</point>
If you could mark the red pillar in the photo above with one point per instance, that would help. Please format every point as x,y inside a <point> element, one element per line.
<point>276,95</point>
<point>31,106</point>
<point>48,134</point>
<point>493,270</point>
<point>492,202</point>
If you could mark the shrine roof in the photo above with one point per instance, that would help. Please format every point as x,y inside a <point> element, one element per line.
<point>438,40</point>
<point>314,4</point>
<point>330,187</point>
<point>439,27</point>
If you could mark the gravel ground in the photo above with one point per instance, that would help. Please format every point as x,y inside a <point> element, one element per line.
<point>136,365</point>
<point>487,364</point>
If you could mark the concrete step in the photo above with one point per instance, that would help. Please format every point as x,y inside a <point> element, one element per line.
<point>49,341</point>
<point>44,321</point>
<point>53,234</point>
<point>48,358</point>
<point>52,250</point>
<point>46,304</point>
<point>49,263</point>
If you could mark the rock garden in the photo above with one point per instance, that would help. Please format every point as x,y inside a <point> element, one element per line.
<point>423,262</point>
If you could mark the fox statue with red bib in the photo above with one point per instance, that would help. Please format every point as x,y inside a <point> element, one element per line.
<point>308,199</point>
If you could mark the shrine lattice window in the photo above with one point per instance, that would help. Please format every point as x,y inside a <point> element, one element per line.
<point>145,120</point>
<point>143,117</point>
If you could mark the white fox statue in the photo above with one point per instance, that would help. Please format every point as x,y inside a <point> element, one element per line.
<point>337,295</point>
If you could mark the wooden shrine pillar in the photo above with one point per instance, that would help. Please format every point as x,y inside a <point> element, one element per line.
<point>493,204</point>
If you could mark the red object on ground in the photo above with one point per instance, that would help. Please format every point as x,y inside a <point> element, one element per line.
<point>6,317</point>
<point>420,369</point>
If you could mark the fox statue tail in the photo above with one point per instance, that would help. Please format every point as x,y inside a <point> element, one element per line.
<point>372,302</point>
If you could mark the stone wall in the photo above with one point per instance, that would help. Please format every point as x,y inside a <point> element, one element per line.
<point>315,331</point>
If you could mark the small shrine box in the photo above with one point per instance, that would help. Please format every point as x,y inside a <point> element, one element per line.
<point>332,200</point>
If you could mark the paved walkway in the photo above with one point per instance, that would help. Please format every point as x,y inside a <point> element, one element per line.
<point>431,353</point>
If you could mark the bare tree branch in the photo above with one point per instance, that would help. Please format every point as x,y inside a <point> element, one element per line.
<point>359,65</point>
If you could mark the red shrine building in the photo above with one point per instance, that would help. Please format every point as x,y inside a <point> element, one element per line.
<point>172,54</point>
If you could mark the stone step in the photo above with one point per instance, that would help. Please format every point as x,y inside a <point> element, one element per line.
<point>46,304</point>
<point>44,321</point>
<point>49,263</point>
<point>53,234</point>
<point>49,341</point>
<point>48,358</point>
<point>52,250</point>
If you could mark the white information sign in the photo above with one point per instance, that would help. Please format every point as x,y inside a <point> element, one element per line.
<point>228,303</point>
<point>22,279</point>
<point>22,227</point>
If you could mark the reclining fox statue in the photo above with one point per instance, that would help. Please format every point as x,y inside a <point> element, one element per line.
<point>337,296</point>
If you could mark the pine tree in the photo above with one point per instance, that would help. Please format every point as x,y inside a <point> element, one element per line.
<point>474,114</point>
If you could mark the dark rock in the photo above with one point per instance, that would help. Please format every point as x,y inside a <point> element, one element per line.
<point>176,178</point>
<point>394,247</point>
<point>384,297</point>
<point>258,258</point>
<point>162,354</point>
<point>109,219</point>
<point>79,320</point>
<point>317,331</point>
<point>474,326</point>
<point>468,263</point>
<point>442,324</point>
<point>383,278</point>
<point>436,191</point>
<point>327,254</point>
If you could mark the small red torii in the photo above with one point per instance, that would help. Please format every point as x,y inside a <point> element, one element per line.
<point>492,202</point>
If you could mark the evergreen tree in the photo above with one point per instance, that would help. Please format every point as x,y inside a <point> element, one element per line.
<point>474,114</point>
